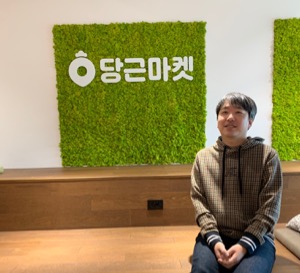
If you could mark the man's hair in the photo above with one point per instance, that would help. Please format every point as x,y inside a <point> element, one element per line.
<point>239,100</point>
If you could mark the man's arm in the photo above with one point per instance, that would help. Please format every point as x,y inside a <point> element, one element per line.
<point>269,205</point>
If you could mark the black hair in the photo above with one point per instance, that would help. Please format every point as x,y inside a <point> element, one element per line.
<point>240,100</point>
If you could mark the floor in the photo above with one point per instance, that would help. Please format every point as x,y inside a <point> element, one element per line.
<point>111,250</point>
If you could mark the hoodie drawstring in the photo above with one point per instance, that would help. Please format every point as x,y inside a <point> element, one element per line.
<point>223,171</point>
<point>239,171</point>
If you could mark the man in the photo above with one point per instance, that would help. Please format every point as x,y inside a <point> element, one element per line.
<point>236,188</point>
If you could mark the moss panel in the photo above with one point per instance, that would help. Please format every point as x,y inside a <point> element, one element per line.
<point>286,89</point>
<point>130,94</point>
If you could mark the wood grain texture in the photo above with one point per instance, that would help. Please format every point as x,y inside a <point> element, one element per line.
<point>290,205</point>
<point>166,249</point>
<point>61,198</point>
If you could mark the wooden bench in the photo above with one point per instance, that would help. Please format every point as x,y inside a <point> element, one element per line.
<point>57,198</point>
<point>94,197</point>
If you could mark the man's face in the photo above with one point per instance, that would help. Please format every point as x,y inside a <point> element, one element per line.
<point>233,122</point>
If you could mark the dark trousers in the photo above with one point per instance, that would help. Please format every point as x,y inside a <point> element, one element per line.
<point>204,259</point>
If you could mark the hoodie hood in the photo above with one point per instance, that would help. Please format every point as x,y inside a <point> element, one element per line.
<point>250,142</point>
<point>225,150</point>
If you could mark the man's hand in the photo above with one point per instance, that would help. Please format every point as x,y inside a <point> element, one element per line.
<point>221,252</point>
<point>232,257</point>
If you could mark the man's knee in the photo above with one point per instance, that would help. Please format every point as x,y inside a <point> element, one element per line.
<point>205,265</point>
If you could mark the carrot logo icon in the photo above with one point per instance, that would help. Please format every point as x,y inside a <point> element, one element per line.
<point>82,61</point>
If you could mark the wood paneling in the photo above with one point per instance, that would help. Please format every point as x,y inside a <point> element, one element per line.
<point>109,197</point>
<point>290,205</point>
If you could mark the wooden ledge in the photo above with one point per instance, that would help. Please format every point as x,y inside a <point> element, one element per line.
<point>122,172</point>
<point>55,198</point>
<point>290,167</point>
<point>93,173</point>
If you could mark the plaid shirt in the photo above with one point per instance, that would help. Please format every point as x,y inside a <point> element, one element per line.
<point>236,192</point>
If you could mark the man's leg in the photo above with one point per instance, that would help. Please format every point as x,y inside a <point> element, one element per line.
<point>204,260</point>
<point>261,261</point>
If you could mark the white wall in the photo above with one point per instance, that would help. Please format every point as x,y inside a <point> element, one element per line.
<point>239,48</point>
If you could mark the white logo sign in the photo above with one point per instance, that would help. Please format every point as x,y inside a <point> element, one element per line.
<point>158,69</point>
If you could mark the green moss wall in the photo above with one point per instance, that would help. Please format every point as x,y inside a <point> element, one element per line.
<point>286,89</point>
<point>159,121</point>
